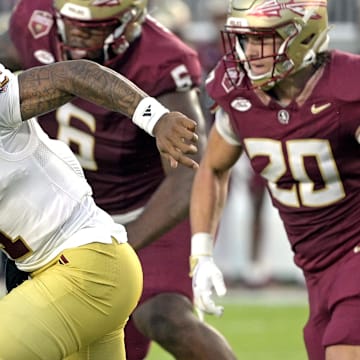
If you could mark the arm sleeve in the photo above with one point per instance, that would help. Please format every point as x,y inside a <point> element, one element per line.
<point>223,126</point>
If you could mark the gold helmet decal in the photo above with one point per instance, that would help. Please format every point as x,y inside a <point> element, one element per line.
<point>274,8</point>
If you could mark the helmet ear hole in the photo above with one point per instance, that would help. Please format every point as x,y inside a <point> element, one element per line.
<point>132,31</point>
<point>308,40</point>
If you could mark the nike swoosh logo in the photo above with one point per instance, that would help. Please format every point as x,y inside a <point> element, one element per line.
<point>318,109</point>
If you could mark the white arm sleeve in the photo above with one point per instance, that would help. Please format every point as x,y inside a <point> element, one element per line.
<point>223,126</point>
<point>10,115</point>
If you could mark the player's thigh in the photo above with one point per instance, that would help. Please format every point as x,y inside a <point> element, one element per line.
<point>35,327</point>
<point>166,264</point>
<point>110,346</point>
<point>343,352</point>
<point>342,335</point>
<point>162,311</point>
<point>67,307</point>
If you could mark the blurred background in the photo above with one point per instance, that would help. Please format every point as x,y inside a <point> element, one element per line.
<point>265,308</point>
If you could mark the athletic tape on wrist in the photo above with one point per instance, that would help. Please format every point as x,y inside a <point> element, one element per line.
<point>202,244</point>
<point>147,114</point>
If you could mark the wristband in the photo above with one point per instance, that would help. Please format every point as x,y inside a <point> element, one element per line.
<point>202,244</point>
<point>147,114</point>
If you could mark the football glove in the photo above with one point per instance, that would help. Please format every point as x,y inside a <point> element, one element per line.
<point>206,276</point>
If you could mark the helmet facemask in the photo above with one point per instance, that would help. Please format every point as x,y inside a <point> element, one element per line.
<point>302,35</point>
<point>235,50</point>
<point>107,31</point>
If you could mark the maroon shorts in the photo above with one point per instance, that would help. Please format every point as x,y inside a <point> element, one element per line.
<point>334,297</point>
<point>166,263</point>
<point>166,270</point>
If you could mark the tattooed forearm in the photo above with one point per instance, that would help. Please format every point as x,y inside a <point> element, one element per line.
<point>45,88</point>
<point>105,87</point>
<point>39,92</point>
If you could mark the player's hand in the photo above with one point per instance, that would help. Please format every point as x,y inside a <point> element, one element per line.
<point>206,277</point>
<point>175,137</point>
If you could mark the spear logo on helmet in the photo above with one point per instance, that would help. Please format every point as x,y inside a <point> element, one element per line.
<point>271,8</point>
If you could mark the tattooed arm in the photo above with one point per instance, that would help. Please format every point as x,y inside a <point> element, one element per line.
<point>44,88</point>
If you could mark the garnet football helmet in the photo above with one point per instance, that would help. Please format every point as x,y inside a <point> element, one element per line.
<point>302,26</point>
<point>123,17</point>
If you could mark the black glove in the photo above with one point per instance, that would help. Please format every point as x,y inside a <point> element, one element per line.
<point>13,276</point>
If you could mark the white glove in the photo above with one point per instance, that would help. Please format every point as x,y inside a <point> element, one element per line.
<point>206,276</point>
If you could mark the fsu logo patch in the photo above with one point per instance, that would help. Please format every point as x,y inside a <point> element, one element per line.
<point>40,23</point>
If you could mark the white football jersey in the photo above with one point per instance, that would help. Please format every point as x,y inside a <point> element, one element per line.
<point>46,204</point>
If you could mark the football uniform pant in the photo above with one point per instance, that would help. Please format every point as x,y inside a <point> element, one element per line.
<point>165,263</point>
<point>74,308</point>
<point>334,297</point>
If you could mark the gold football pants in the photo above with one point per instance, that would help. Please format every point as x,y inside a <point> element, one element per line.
<point>76,308</point>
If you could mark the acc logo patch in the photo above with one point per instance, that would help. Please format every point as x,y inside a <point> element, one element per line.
<point>241,104</point>
<point>40,23</point>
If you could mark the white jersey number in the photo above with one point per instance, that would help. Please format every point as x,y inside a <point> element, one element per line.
<point>16,247</point>
<point>181,78</point>
<point>303,193</point>
<point>84,141</point>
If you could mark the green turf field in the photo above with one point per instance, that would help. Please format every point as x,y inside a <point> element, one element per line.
<point>258,332</point>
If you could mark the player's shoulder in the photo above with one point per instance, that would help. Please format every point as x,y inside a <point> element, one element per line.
<point>342,58</point>
<point>25,8</point>
<point>161,55</point>
<point>6,77</point>
<point>162,40</point>
<point>9,99</point>
<point>340,73</point>
<point>32,31</point>
<point>222,81</point>
<point>32,18</point>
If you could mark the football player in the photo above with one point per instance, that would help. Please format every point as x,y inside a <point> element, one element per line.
<point>293,107</point>
<point>121,161</point>
<point>85,278</point>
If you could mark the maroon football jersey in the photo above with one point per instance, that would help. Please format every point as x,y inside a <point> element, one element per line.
<point>120,160</point>
<point>307,152</point>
